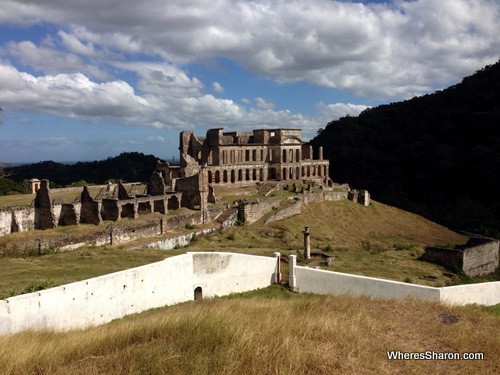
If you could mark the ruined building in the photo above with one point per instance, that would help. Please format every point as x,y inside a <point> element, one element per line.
<point>236,157</point>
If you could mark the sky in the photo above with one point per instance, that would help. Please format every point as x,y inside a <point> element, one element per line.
<point>87,80</point>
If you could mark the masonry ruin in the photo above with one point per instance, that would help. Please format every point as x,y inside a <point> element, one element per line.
<point>238,157</point>
<point>270,158</point>
<point>479,256</point>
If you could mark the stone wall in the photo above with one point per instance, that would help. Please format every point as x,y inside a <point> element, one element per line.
<point>477,257</point>
<point>285,213</point>
<point>451,259</point>
<point>480,257</point>
<point>251,212</point>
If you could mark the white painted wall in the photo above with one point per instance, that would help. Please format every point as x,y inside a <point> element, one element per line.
<point>102,299</point>
<point>483,294</point>
<point>220,274</point>
<point>336,283</point>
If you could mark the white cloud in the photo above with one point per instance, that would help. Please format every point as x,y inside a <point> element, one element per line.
<point>388,50</point>
<point>175,102</point>
<point>332,112</point>
<point>48,59</point>
<point>263,104</point>
<point>217,87</point>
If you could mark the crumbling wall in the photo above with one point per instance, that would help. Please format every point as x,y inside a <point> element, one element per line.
<point>285,213</point>
<point>90,209</point>
<point>5,222</point>
<point>251,212</point>
<point>480,257</point>
<point>69,214</point>
<point>448,258</point>
<point>44,215</point>
<point>156,184</point>
<point>477,257</point>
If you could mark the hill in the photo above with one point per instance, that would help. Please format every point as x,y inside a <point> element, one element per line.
<point>270,331</point>
<point>437,155</point>
<point>128,166</point>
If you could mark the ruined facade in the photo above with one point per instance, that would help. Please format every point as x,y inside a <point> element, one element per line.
<point>236,157</point>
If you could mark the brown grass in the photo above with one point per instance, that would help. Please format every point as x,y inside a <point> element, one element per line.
<point>253,334</point>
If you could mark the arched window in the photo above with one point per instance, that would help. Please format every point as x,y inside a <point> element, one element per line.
<point>217,177</point>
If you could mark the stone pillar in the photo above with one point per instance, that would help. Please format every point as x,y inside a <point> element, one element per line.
<point>311,152</point>
<point>292,278</point>
<point>277,273</point>
<point>320,153</point>
<point>364,197</point>
<point>307,243</point>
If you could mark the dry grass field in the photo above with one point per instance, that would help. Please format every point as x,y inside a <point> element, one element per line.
<point>271,331</point>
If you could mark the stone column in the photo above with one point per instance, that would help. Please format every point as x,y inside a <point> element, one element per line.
<point>277,273</point>
<point>292,278</point>
<point>307,243</point>
<point>311,152</point>
<point>320,152</point>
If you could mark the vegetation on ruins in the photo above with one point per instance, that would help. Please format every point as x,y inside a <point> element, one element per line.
<point>436,155</point>
<point>269,331</point>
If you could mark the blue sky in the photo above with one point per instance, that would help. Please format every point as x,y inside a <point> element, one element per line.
<point>86,80</point>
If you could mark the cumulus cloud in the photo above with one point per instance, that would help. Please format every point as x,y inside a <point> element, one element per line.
<point>386,50</point>
<point>169,99</point>
<point>217,87</point>
<point>332,112</point>
<point>262,103</point>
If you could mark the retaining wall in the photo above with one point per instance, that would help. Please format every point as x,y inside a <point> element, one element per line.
<point>311,280</point>
<point>326,282</point>
<point>102,299</point>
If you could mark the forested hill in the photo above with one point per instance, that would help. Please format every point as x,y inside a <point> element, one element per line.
<point>437,155</point>
<point>128,166</point>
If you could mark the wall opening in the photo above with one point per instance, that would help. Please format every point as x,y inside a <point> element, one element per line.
<point>198,294</point>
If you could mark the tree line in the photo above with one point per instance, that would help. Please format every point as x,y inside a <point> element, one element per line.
<point>128,166</point>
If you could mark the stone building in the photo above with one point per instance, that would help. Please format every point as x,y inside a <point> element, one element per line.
<point>236,157</point>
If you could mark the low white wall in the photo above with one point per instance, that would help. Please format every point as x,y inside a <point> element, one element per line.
<point>102,299</point>
<point>336,283</point>
<point>220,274</point>
<point>483,294</point>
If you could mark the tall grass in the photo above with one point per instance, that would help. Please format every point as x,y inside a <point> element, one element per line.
<point>299,334</point>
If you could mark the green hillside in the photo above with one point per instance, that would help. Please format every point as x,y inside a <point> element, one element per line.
<point>437,155</point>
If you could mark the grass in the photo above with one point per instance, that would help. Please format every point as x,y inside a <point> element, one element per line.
<point>378,241</point>
<point>16,274</point>
<point>272,331</point>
